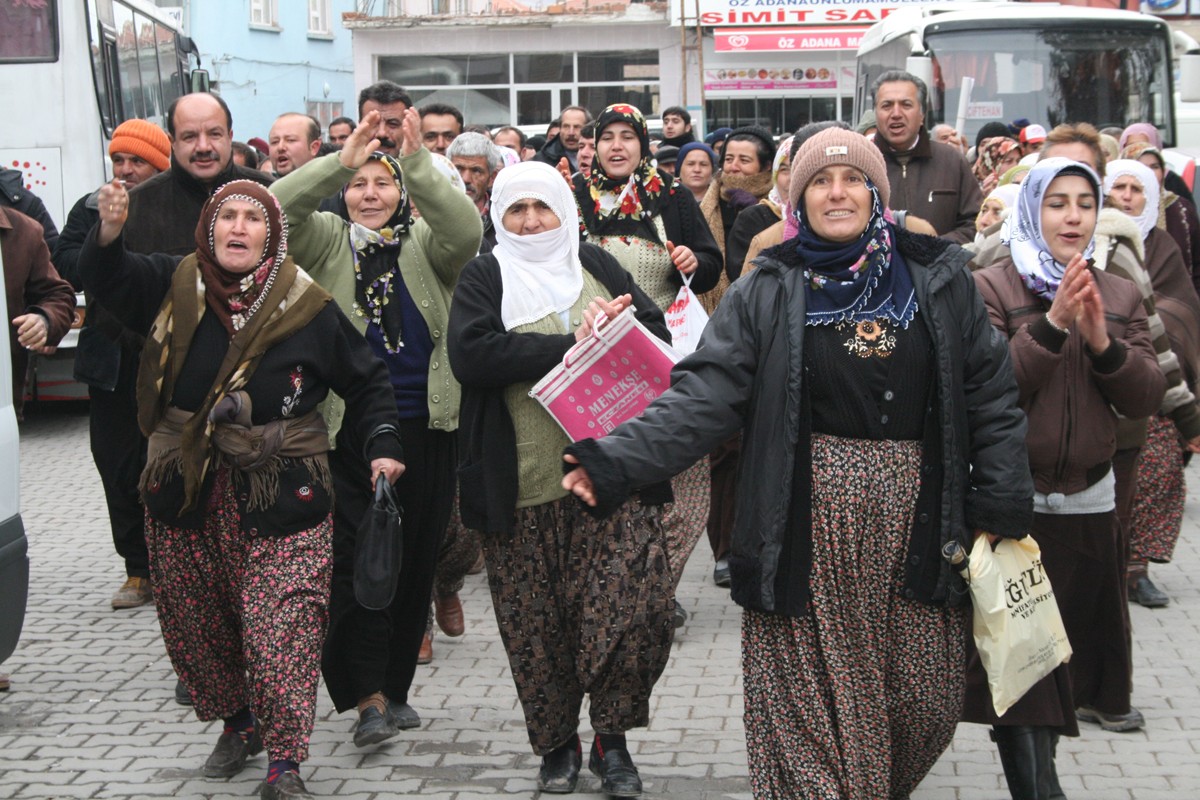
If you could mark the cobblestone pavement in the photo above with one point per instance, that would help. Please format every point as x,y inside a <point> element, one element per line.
<point>91,713</point>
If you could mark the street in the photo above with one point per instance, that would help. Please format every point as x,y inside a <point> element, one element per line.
<point>91,712</point>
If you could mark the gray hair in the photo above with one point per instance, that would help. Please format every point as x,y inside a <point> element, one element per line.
<point>894,75</point>
<point>476,145</point>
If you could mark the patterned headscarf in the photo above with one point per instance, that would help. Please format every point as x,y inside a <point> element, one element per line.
<point>991,152</point>
<point>624,205</point>
<point>1123,167</point>
<point>376,259</point>
<point>1022,231</point>
<point>235,296</point>
<point>782,161</point>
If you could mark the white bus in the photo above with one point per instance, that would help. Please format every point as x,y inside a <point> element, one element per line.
<point>72,70</point>
<point>1043,62</point>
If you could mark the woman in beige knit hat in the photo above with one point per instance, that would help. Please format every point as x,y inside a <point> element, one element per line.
<point>880,421</point>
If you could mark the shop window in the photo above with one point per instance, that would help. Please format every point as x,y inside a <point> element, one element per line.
<point>479,106</point>
<point>612,66</point>
<point>450,70</point>
<point>543,68</point>
<point>644,96</point>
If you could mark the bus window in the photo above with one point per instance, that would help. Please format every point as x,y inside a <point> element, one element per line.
<point>129,75</point>
<point>169,60</point>
<point>147,48</point>
<point>28,31</point>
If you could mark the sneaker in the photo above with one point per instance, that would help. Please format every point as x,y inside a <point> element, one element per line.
<point>721,572</point>
<point>1146,594</point>
<point>1114,723</point>
<point>133,593</point>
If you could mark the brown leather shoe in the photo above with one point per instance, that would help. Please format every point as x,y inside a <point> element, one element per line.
<point>425,654</point>
<point>447,610</point>
<point>133,593</point>
<point>5,682</point>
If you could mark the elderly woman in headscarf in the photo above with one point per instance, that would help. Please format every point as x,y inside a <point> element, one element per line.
<point>1177,212</point>
<point>583,606</point>
<point>995,209</point>
<point>392,275</point>
<point>1157,513</point>
<point>1083,354</point>
<point>645,219</point>
<point>996,155</point>
<point>241,347</point>
<point>695,165</point>
<point>855,350</point>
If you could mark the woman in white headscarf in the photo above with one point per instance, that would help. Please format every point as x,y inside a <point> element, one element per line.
<point>1082,353</point>
<point>583,605</point>
<point>1158,502</point>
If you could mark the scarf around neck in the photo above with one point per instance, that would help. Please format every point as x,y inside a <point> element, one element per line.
<point>376,262</point>
<point>856,281</point>
<point>540,273</point>
<point>1022,231</point>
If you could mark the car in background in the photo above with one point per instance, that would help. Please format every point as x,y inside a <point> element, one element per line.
<point>14,547</point>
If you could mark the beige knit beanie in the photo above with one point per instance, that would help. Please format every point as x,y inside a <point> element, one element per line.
<point>837,146</point>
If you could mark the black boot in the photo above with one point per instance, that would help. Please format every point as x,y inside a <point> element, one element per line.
<point>1056,792</point>
<point>1026,756</point>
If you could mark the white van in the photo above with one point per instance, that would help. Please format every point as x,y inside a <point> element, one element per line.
<point>14,556</point>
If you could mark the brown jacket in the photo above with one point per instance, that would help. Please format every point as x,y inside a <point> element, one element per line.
<point>32,285</point>
<point>1068,393</point>
<point>936,184</point>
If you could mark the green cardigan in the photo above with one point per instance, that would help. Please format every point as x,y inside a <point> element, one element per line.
<point>433,254</point>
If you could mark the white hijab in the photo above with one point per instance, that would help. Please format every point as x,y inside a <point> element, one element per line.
<point>1022,231</point>
<point>541,273</point>
<point>1121,167</point>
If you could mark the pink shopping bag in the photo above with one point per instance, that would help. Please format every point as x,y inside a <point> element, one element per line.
<point>609,377</point>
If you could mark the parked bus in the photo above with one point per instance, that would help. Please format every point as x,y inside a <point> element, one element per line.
<point>72,70</point>
<point>1043,62</point>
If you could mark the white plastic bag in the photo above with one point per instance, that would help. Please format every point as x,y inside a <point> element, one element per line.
<point>1018,630</point>
<point>686,319</point>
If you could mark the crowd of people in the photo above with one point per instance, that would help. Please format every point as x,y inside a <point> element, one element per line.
<point>1008,331</point>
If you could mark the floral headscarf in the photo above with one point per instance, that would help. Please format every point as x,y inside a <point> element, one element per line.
<point>991,152</point>
<point>376,259</point>
<point>235,296</point>
<point>1123,167</point>
<point>1022,231</point>
<point>618,206</point>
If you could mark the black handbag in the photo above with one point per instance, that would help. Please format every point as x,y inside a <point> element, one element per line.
<point>378,550</point>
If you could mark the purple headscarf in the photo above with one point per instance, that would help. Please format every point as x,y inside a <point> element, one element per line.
<point>1145,129</point>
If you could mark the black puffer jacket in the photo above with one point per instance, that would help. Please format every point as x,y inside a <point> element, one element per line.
<point>747,375</point>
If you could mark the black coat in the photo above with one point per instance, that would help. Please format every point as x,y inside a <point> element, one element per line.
<point>486,359</point>
<point>746,375</point>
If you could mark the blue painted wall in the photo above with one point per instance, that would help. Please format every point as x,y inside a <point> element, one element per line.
<point>264,73</point>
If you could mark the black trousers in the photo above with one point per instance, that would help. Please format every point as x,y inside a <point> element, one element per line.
<point>376,651</point>
<point>119,450</point>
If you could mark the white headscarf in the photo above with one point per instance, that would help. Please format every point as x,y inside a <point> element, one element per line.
<point>541,272</point>
<point>1121,167</point>
<point>1022,231</point>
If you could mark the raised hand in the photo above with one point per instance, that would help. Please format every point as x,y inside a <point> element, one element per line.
<point>361,143</point>
<point>113,201</point>
<point>564,169</point>
<point>412,132</point>
<point>1065,308</point>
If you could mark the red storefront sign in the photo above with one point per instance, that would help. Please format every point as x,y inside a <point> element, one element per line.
<point>762,40</point>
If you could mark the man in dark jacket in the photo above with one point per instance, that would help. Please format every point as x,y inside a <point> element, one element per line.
<point>929,179</point>
<point>566,143</point>
<point>139,150</point>
<point>14,195</point>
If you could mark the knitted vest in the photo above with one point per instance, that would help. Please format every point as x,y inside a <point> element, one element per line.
<point>540,440</point>
<point>648,263</point>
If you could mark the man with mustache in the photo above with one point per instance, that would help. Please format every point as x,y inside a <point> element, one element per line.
<point>391,101</point>
<point>566,143</point>
<point>477,160</point>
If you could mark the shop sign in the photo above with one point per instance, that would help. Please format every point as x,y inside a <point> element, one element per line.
<point>774,40</point>
<point>767,78</point>
<point>785,12</point>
